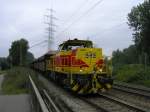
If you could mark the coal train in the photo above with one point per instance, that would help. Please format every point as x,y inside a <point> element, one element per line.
<point>77,66</point>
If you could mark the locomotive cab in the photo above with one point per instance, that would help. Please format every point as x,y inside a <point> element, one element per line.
<point>83,56</point>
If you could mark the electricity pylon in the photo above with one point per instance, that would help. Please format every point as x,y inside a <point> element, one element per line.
<point>50,28</point>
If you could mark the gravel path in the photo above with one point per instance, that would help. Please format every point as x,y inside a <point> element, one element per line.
<point>15,103</point>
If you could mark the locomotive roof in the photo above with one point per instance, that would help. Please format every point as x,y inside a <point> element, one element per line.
<point>77,42</point>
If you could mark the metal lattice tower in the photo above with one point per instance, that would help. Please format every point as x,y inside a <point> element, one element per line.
<point>50,28</point>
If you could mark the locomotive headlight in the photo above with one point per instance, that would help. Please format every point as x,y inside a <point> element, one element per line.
<point>81,70</point>
<point>100,70</point>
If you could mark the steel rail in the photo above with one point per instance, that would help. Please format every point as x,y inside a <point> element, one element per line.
<point>60,103</point>
<point>140,93</point>
<point>50,103</point>
<point>139,88</point>
<point>100,109</point>
<point>121,102</point>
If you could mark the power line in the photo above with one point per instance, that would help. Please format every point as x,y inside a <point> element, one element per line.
<point>37,44</point>
<point>82,5</point>
<point>51,24</point>
<point>115,26</point>
<point>84,14</point>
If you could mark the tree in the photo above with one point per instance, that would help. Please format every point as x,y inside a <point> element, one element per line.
<point>139,21</point>
<point>30,58</point>
<point>4,63</point>
<point>18,52</point>
<point>126,56</point>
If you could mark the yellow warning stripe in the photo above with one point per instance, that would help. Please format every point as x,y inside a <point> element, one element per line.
<point>108,86</point>
<point>75,88</point>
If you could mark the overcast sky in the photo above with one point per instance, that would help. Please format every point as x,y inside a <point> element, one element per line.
<point>105,24</point>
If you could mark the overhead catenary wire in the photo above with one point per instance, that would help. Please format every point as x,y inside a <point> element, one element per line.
<point>37,44</point>
<point>115,26</point>
<point>86,12</point>
<point>97,3</point>
<point>83,15</point>
<point>108,29</point>
<point>81,6</point>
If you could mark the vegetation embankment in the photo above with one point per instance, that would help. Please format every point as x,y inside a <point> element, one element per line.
<point>132,64</point>
<point>16,80</point>
<point>134,73</point>
<point>2,72</point>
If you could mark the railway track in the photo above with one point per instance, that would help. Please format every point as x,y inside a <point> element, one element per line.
<point>106,103</point>
<point>111,104</point>
<point>68,102</point>
<point>134,99</point>
<point>124,103</point>
<point>98,108</point>
<point>42,101</point>
<point>53,104</point>
<point>58,105</point>
<point>103,102</point>
<point>134,96</point>
<point>122,84</point>
<point>52,107</point>
<point>145,92</point>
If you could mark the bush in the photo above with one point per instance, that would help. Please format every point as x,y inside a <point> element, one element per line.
<point>134,73</point>
<point>16,80</point>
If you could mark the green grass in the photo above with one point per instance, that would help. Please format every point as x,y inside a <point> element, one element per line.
<point>136,74</point>
<point>2,72</point>
<point>16,80</point>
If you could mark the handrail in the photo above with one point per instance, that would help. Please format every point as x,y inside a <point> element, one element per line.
<point>38,96</point>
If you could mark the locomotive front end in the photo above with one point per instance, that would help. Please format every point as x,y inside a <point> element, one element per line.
<point>93,74</point>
